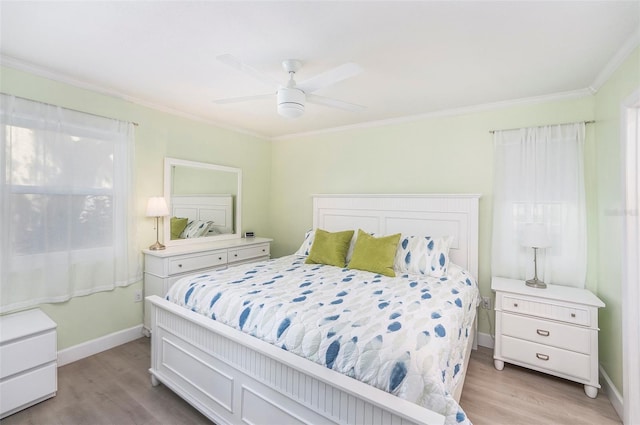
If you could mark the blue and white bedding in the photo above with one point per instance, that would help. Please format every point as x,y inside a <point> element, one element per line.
<point>405,335</point>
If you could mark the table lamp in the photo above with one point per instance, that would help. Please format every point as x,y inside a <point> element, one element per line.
<point>157,207</point>
<point>535,235</point>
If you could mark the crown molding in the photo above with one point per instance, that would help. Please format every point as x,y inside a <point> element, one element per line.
<point>575,94</point>
<point>616,60</point>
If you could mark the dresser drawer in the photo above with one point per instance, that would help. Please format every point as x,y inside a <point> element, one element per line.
<point>248,253</point>
<point>574,314</point>
<point>551,359</point>
<point>187,263</point>
<point>27,353</point>
<point>27,389</point>
<point>559,335</point>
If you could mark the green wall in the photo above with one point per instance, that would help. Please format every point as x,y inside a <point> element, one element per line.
<point>158,135</point>
<point>608,177</point>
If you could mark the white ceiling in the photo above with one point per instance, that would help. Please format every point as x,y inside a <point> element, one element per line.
<point>418,57</point>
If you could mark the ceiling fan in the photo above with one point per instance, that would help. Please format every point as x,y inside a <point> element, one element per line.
<point>291,97</point>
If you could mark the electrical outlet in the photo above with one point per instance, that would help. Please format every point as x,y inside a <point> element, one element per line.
<point>486,303</point>
<point>137,296</point>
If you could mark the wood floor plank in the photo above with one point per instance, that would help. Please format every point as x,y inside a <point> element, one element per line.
<point>114,388</point>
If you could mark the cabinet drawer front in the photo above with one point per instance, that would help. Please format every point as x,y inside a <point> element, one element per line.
<point>559,335</point>
<point>26,389</point>
<point>577,315</point>
<point>248,253</point>
<point>195,262</point>
<point>545,357</point>
<point>27,353</point>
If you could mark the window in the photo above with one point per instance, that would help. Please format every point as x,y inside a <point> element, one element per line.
<point>65,227</point>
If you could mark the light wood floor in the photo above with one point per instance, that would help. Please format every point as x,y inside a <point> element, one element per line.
<point>519,396</point>
<point>113,387</point>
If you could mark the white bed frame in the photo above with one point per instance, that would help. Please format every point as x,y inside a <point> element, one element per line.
<point>234,378</point>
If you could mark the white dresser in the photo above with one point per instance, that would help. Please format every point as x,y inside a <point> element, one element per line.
<point>163,268</point>
<point>552,330</point>
<point>28,360</point>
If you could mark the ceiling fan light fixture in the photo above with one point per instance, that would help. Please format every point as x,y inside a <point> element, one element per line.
<point>291,102</point>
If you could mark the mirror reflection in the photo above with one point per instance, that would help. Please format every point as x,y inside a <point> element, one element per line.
<point>203,201</point>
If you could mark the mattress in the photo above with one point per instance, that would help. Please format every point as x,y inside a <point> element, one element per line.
<point>405,335</point>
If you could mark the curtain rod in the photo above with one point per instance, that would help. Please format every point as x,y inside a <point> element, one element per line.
<point>71,109</point>
<point>135,124</point>
<point>508,129</point>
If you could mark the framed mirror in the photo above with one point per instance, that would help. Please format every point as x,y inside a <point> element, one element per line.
<point>204,200</point>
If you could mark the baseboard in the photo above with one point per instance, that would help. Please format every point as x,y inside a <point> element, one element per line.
<point>612,392</point>
<point>485,340</point>
<point>95,346</point>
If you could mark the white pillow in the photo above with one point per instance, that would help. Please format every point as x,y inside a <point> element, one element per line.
<point>423,255</point>
<point>195,229</point>
<point>306,244</point>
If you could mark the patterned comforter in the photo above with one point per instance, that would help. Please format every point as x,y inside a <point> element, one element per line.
<point>405,335</point>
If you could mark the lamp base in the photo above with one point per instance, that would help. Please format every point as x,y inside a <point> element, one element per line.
<point>536,283</point>
<point>157,246</point>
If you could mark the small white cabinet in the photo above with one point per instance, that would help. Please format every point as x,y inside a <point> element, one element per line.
<point>163,268</point>
<point>552,330</point>
<point>28,360</point>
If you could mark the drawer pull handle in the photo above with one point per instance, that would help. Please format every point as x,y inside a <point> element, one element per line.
<point>515,304</point>
<point>544,357</point>
<point>542,332</point>
<point>573,315</point>
<point>179,265</point>
<point>264,250</point>
<point>220,258</point>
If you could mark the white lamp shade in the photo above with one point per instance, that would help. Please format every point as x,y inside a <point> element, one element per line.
<point>535,235</point>
<point>157,207</point>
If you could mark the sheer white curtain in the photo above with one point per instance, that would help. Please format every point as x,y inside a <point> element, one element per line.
<point>66,214</point>
<point>539,179</point>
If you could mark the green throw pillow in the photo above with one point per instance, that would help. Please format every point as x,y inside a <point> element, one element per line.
<point>330,248</point>
<point>177,226</point>
<point>375,255</point>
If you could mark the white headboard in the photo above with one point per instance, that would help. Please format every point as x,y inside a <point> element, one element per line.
<point>424,215</point>
<point>216,208</point>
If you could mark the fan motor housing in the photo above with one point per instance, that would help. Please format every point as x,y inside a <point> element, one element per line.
<point>290,102</point>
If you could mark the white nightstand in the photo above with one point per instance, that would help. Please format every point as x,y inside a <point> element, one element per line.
<point>28,360</point>
<point>552,330</point>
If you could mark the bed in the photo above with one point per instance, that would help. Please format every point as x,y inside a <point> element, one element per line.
<point>233,377</point>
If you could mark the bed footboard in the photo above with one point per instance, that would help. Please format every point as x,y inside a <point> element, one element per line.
<point>234,378</point>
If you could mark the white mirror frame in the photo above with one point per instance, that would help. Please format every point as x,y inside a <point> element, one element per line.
<point>169,163</point>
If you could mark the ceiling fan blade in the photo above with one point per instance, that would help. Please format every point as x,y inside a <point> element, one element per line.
<point>243,98</point>
<point>235,63</point>
<point>334,103</point>
<point>330,77</point>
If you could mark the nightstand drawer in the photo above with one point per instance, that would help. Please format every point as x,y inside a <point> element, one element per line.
<point>552,359</point>
<point>196,262</point>
<point>523,305</point>
<point>548,333</point>
<point>27,353</point>
<point>21,391</point>
<point>242,254</point>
